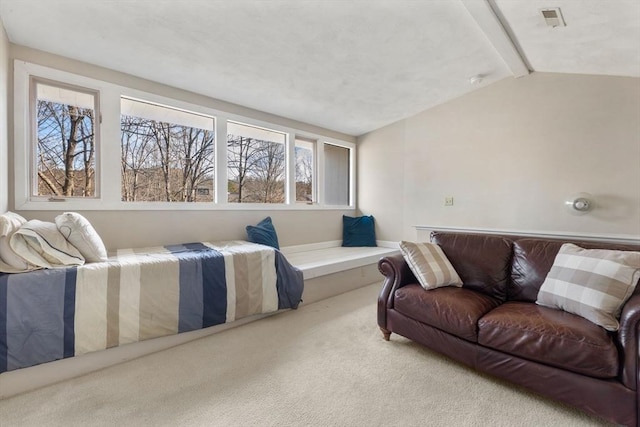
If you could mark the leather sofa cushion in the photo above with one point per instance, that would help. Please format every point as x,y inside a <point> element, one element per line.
<point>550,336</point>
<point>450,309</point>
<point>483,262</point>
<point>532,260</point>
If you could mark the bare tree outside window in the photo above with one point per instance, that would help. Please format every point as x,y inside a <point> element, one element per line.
<point>66,146</point>
<point>167,153</point>
<point>268,184</point>
<point>304,152</point>
<point>163,161</point>
<point>256,165</point>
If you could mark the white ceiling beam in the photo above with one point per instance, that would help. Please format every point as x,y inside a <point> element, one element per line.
<point>498,36</point>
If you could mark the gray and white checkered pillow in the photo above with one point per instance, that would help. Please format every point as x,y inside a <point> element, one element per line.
<point>592,283</point>
<point>430,265</point>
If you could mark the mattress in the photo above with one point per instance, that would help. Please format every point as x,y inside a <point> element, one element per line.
<point>139,294</point>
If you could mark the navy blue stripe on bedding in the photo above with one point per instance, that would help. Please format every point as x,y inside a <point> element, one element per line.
<point>214,290</point>
<point>203,287</point>
<point>35,324</point>
<point>190,305</point>
<point>69,349</point>
<point>4,279</point>
<point>188,247</point>
<point>290,283</point>
<point>198,246</point>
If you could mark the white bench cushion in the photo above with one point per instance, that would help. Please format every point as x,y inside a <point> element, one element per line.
<point>329,257</point>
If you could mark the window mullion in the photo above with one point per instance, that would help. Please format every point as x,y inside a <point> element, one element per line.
<point>110,150</point>
<point>352,177</point>
<point>290,175</point>
<point>320,172</point>
<point>221,172</point>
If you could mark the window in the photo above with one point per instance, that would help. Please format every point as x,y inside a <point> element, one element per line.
<point>305,161</point>
<point>167,154</point>
<point>66,140</point>
<point>96,145</point>
<point>256,164</point>
<point>337,161</point>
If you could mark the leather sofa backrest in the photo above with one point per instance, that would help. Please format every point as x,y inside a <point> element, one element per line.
<point>533,258</point>
<point>482,261</point>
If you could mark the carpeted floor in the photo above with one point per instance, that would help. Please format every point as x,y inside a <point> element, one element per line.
<point>325,364</point>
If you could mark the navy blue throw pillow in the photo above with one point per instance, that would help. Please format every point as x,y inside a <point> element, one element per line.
<point>263,233</point>
<point>358,231</point>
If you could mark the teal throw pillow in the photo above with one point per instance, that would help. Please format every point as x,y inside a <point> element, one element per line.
<point>358,231</point>
<point>263,233</point>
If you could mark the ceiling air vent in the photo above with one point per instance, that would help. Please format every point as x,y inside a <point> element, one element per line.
<point>553,17</point>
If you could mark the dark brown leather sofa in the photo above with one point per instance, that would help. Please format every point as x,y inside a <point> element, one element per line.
<point>492,323</point>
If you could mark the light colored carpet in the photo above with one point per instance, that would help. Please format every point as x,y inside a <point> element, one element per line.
<point>325,364</point>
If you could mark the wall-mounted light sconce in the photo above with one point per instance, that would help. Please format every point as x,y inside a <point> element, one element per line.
<point>579,204</point>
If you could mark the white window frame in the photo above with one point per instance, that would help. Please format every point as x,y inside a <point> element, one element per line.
<point>176,105</point>
<point>288,142</point>
<point>25,135</point>
<point>321,169</point>
<point>314,180</point>
<point>33,136</point>
<point>108,172</point>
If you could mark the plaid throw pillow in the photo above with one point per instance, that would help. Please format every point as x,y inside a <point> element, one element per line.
<point>430,265</point>
<point>592,283</point>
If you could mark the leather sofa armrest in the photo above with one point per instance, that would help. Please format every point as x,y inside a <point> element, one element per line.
<point>397,274</point>
<point>628,341</point>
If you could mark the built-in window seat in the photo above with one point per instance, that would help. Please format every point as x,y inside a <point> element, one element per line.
<point>320,259</point>
<point>328,270</point>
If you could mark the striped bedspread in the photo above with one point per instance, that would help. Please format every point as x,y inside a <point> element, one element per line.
<point>139,294</point>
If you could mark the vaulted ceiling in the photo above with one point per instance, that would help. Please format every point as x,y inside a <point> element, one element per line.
<point>346,65</point>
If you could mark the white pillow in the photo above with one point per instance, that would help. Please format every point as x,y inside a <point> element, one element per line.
<point>10,262</point>
<point>42,245</point>
<point>81,234</point>
<point>430,265</point>
<point>592,283</point>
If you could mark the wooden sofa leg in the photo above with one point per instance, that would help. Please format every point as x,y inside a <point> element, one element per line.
<point>386,334</point>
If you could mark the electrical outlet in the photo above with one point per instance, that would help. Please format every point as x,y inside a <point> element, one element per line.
<point>448,201</point>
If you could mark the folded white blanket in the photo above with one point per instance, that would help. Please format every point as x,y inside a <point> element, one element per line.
<point>43,246</point>
<point>10,222</point>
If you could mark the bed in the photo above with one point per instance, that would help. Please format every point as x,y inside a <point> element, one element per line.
<point>139,294</point>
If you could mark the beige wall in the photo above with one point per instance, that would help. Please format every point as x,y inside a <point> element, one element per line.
<point>120,229</point>
<point>509,154</point>
<point>4,134</point>
<point>124,229</point>
<point>380,170</point>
